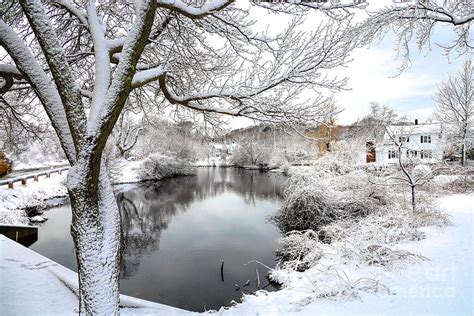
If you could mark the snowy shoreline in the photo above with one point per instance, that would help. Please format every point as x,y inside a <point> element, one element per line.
<point>441,284</point>
<point>50,192</point>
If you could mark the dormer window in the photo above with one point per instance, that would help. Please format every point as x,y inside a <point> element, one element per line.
<point>425,139</point>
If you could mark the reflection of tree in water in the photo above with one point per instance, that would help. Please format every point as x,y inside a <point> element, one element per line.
<point>148,209</point>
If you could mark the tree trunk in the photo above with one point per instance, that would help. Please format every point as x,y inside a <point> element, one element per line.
<point>96,231</point>
<point>463,154</point>
<point>413,199</point>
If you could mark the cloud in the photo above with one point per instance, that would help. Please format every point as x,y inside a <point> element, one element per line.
<point>371,80</point>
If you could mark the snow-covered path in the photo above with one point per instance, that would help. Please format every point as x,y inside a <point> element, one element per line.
<point>31,284</point>
<point>444,284</point>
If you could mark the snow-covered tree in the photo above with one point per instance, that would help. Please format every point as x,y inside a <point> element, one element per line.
<point>251,149</point>
<point>413,173</point>
<point>455,108</point>
<point>127,135</point>
<point>83,59</point>
<point>416,20</point>
<point>21,121</point>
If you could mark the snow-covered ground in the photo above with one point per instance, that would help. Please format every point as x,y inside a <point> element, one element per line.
<point>34,285</point>
<point>13,202</point>
<point>442,284</point>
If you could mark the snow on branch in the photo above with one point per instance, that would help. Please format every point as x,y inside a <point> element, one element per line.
<point>143,77</point>
<point>194,12</point>
<point>452,11</point>
<point>71,8</point>
<point>335,9</point>
<point>121,84</point>
<point>60,69</point>
<point>416,20</point>
<point>40,82</point>
<point>268,85</point>
<point>102,61</point>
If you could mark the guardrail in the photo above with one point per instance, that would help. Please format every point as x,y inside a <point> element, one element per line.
<point>35,176</point>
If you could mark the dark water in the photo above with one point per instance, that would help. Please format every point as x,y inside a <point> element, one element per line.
<point>178,231</point>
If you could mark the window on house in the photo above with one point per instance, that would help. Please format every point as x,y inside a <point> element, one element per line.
<point>426,154</point>
<point>403,139</point>
<point>412,153</point>
<point>392,154</point>
<point>425,139</point>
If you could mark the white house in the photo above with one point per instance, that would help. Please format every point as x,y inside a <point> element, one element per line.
<point>423,142</point>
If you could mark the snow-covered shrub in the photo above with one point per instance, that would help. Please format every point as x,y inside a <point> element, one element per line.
<point>285,169</point>
<point>158,166</point>
<point>311,202</point>
<point>420,171</point>
<point>341,160</point>
<point>278,160</point>
<point>384,256</point>
<point>308,205</point>
<point>299,250</point>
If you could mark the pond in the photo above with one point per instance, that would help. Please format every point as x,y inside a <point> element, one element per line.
<point>180,230</point>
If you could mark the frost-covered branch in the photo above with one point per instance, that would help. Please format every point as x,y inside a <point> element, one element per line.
<point>121,84</point>
<point>101,62</point>
<point>455,108</point>
<point>415,21</point>
<point>67,86</point>
<point>335,9</point>
<point>143,77</point>
<point>194,12</point>
<point>73,9</point>
<point>41,83</point>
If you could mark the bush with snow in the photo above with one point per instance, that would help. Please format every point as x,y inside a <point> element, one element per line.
<point>347,217</point>
<point>158,166</point>
<point>278,160</point>
<point>311,202</point>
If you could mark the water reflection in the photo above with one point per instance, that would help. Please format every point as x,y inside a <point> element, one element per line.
<point>177,232</point>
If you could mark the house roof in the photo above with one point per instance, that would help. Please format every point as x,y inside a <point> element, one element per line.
<point>430,128</point>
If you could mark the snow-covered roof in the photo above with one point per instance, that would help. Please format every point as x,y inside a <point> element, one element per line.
<point>430,128</point>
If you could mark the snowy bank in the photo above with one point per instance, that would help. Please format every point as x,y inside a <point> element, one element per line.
<point>33,284</point>
<point>35,194</point>
<point>442,284</point>
<point>38,194</point>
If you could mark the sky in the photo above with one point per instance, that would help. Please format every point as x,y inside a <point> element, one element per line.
<point>374,77</point>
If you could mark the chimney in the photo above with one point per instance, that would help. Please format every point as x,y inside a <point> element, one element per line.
<point>416,121</point>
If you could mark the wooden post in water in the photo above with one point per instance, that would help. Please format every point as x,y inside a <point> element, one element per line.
<point>10,185</point>
<point>23,182</point>
<point>222,271</point>
<point>48,174</point>
<point>35,178</point>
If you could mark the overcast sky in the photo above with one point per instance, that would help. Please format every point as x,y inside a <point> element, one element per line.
<point>373,78</point>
